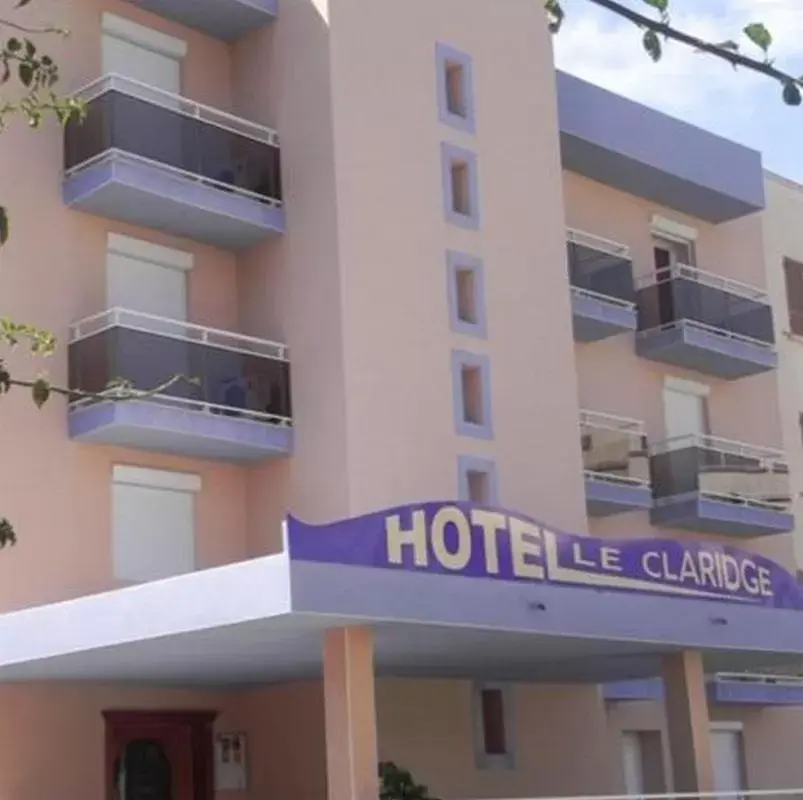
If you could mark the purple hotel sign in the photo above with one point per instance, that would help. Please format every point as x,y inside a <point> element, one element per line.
<point>474,542</point>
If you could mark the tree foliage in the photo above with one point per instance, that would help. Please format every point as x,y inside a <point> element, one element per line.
<point>655,24</point>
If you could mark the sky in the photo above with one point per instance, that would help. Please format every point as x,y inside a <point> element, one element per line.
<point>600,47</point>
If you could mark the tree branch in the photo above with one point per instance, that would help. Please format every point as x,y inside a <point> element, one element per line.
<point>733,57</point>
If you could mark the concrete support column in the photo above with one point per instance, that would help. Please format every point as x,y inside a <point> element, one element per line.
<point>348,682</point>
<point>687,722</point>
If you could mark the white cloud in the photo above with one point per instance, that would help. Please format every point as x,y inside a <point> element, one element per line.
<point>598,46</point>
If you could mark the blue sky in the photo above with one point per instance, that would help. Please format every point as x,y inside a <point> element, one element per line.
<point>596,45</point>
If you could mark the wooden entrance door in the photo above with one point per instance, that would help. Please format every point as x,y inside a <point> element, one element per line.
<point>159,755</point>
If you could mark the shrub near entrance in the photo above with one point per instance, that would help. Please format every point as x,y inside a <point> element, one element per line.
<point>396,783</point>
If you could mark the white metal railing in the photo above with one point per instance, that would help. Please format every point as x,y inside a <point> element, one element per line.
<point>610,422</point>
<point>704,278</point>
<point>130,395</point>
<point>598,243</point>
<point>721,332</point>
<point>767,679</point>
<point>176,329</point>
<point>178,104</point>
<point>606,298</point>
<point>747,794</point>
<point>114,153</point>
<point>767,457</point>
<point>615,478</point>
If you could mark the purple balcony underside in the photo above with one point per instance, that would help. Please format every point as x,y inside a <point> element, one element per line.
<point>722,691</point>
<point>223,19</point>
<point>180,431</point>
<point>648,154</point>
<point>149,196</point>
<point>605,498</point>
<point>704,351</point>
<point>707,515</point>
<point>595,319</point>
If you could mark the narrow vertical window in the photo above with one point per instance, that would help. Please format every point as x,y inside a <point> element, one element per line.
<point>455,77</point>
<point>493,726</point>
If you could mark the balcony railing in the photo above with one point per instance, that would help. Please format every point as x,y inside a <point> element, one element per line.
<point>601,280</point>
<point>698,320</point>
<point>729,484</point>
<point>232,378</point>
<point>194,146</point>
<point>616,463</point>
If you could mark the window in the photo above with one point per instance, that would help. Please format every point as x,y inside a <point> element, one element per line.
<point>466,293</point>
<point>460,186</point>
<point>669,252</point>
<point>455,88</point>
<point>153,523</point>
<point>793,272</point>
<point>477,481</point>
<point>493,726</point>
<point>686,408</point>
<point>472,394</point>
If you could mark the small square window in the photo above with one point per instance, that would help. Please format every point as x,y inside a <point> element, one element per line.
<point>493,728</point>
<point>472,389</point>
<point>477,480</point>
<point>471,376</point>
<point>455,88</point>
<point>466,294</point>
<point>460,186</point>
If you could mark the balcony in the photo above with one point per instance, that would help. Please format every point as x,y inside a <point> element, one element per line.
<point>713,485</point>
<point>603,293</point>
<point>616,463</point>
<point>696,320</point>
<point>223,19</point>
<point>156,160</point>
<point>723,688</point>
<point>237,408</point>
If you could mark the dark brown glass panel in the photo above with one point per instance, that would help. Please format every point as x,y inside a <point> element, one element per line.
<point>600,272</point>
<point>144,772</point>
<point>225,377</point>
<point>793,272</point>
<point>493,722</point>
<point>684,299</point>
<point>118,121</point>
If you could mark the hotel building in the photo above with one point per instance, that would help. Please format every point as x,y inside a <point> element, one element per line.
<point>483,465</point>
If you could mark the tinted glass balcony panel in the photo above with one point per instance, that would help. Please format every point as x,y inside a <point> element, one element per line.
<point>223,19</point>
<point>713,485</point>
<point>603,293</point>
<point>616,464</point>
<point>233,402</point>
<point>699,321</point>
<point>160,161</point>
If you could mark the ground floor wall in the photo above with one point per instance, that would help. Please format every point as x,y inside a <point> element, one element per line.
<point>564,739</point>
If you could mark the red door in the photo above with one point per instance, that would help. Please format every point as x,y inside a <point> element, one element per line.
<point>155,757</point>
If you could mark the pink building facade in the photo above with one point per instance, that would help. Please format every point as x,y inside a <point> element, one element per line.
<point>480,462</point>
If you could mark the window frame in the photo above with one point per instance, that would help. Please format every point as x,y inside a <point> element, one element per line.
<point>467,464</point>
<point>791,265</point>
<point>445,55</point>
<point>457,262</point>
<point>483,760</point>
<point>464,358</point>
<point>450,154</point>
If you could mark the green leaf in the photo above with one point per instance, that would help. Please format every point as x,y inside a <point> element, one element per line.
<point>652,44</point>
<point>5,378</point>
<point>555,15</point>
<point>26,74</point>
<point>660,5</point>
<point>30,48</point>
<point>22,3</point>
<point>7,535</point>
<point>791,94</point>
<point>4,226</point>
<point>40,391</point>
<point>13,45</point>
<point>758,34</point>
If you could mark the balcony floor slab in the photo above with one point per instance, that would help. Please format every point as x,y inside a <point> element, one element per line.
<point>703,351</point>
<point>224,20</point>
<point>146,425</point>
<point>124,188</point>
<point>707,515</point>
<point>594,319</point>
<point>604,499</point>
